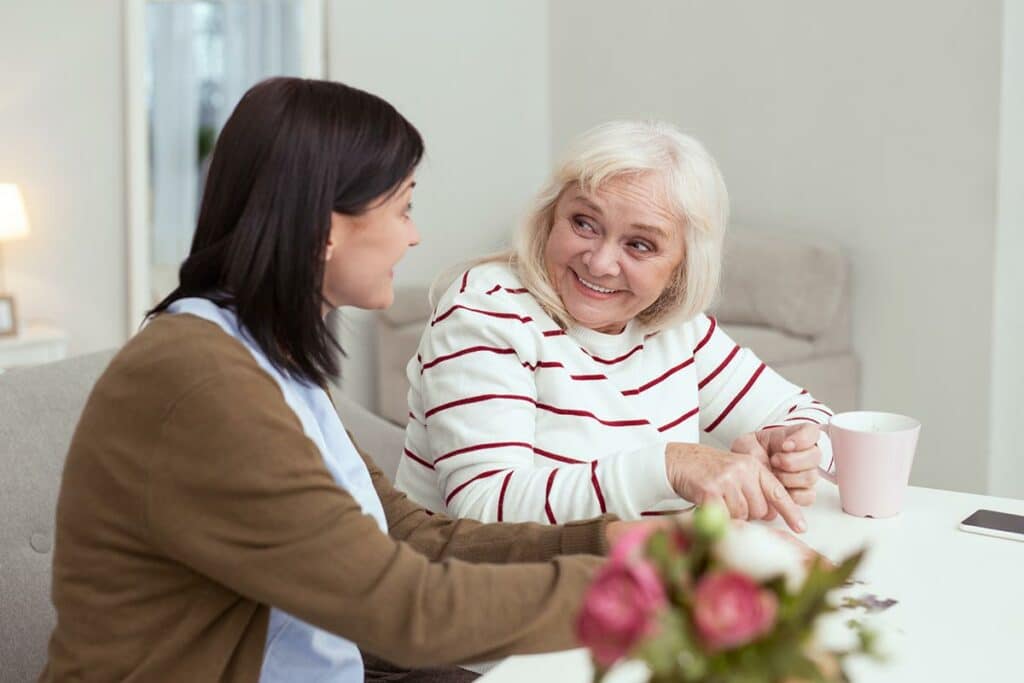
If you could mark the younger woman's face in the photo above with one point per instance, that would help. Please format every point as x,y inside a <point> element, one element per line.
<point>363,250</point>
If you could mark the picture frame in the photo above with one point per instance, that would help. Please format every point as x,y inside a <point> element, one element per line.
<point>8,316</point>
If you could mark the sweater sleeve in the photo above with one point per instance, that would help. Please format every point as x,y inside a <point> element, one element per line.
<point>440,536</point>
<point>478,361</point>
<point>238,493</point>
<point>739,393</point>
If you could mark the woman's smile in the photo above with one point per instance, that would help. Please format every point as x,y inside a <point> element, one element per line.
<point>593,290</point>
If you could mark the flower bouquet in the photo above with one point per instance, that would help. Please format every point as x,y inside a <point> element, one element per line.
<point>712,602</point>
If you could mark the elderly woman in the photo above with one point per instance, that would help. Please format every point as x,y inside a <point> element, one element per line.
<point>574,376</point>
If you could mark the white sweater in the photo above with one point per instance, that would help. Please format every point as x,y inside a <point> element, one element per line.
<point>513,419</point>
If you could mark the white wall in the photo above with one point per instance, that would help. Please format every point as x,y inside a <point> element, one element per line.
<point>472,77</point>
<point>872,123</point>
<point>1006,472</point>
<point>61,140</point>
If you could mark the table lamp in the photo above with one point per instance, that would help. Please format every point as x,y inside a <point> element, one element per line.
<point>13,225</point>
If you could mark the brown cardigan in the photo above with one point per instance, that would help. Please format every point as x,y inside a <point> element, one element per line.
<point>192,500</point>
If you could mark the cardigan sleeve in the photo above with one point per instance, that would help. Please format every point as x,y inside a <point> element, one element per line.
<point>739,393</point>
<point>440,536</point>
<point>237,493</point>
<point>478,360</point>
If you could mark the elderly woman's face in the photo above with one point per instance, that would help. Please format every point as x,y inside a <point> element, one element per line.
<point>611,253</point>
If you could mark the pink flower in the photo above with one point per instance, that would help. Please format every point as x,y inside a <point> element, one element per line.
<point>730,609</point>
<point>619,608</point>
<point>632,544</point>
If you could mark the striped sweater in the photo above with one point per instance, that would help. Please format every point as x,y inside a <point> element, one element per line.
<point>514,419</point>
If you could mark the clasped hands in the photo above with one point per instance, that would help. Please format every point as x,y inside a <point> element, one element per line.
<point>766,473</point>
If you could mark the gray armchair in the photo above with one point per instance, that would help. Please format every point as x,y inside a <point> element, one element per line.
<point>39,408</point>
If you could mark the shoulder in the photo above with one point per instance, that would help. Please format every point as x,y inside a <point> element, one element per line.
<point>487,306</point>
<point>177,354</point>
<point>487,280</point>
<point>488,292</point>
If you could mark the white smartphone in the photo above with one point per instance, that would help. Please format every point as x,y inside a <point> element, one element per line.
<point>992,523</point>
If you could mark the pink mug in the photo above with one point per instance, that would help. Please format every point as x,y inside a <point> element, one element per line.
<point>873,453</point>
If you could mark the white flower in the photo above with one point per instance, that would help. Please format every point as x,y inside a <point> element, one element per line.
<point>761,554</point>
<point>833,633</point>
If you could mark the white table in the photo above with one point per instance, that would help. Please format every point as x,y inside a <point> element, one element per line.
<point>960,615</point>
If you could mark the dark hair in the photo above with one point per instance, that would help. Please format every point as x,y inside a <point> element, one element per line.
<point>293,151</point>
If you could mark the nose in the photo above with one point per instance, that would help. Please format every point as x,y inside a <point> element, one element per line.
<point>603,260</point>
<point>414,234</point>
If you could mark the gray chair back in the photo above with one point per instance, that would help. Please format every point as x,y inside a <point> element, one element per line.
<point>39,408</point>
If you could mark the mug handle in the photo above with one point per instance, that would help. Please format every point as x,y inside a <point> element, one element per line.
<point>821,470</point>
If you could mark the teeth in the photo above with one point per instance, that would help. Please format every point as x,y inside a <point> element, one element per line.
<point>590,285</point>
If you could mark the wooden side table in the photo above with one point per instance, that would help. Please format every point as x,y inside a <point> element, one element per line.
<point>34,344</point>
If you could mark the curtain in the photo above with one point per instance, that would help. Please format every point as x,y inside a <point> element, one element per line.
<point>261,39</point>
<point>202,57</point>
<point>173,131</point>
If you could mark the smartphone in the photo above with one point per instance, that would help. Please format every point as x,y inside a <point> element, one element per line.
<point>992,523</point>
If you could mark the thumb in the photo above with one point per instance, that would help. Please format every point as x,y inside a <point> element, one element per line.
<point>796,437</point>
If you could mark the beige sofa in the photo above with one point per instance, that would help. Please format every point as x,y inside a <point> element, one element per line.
<point>787,298</point>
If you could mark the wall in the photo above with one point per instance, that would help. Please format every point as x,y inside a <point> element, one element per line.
<point>61,140</point>
<point>472,77</point>
<point>1006,473</point>
<point>873,124</point>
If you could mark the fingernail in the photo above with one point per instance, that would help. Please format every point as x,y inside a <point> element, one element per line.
<point>801,526</point>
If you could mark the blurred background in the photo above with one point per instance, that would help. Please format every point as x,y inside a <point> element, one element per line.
<point>892,130</point>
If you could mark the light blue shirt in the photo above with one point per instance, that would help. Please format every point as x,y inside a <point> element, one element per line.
<point>295,650</point>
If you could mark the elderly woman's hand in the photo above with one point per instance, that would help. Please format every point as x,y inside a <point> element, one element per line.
<point>740,481</point>
<point>791,452</point>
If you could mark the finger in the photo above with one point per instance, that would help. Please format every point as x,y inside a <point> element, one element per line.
<point>801,436</point>
<point>797,461</point>
<point>777,496</point>
<point>798,480</point>
<point>770,515</point>
<point>757,506</point>
<point>794,437</point>
<point>737,504</point>
<point>803,497</point>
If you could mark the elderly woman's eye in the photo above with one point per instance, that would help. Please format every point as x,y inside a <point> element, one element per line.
<point>582,224</point>
<point>643,247</point>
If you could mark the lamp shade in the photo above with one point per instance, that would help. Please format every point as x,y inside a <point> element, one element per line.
<point>13,220</point>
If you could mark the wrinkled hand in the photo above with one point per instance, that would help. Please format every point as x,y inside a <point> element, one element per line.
<point>739,481</point>
<point>791,453</point>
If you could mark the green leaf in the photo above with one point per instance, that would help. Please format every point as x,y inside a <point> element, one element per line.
<point>804,668</point>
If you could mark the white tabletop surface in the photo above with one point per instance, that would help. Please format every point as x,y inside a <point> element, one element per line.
<point>960,615</point>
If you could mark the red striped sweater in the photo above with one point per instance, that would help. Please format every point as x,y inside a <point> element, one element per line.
<point>514,419</point>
